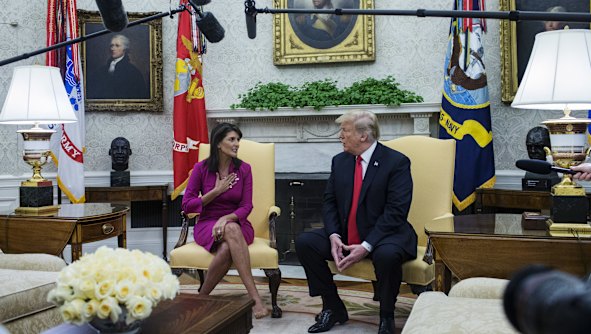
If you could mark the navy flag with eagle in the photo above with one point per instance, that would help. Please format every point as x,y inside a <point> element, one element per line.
<point>465,106</point>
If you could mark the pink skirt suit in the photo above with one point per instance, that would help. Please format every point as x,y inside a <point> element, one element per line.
<point>237,199</point>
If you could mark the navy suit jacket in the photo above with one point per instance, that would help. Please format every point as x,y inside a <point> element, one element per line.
<point>384,202</point>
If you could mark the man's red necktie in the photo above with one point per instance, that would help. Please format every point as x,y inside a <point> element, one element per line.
<point>352,233</point>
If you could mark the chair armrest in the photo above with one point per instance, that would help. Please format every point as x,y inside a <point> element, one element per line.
<point>428,257</point>
<point>185,227</point>
<point>444,216</point>
<point>274,212</point>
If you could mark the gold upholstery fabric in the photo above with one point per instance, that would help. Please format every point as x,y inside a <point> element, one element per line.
<point>24,292</point>
<point>26,261</point>
<point>25,281</point>
<point>193,256</point>
<point>432,168</point>
<point>261,157</point>
<point>474,305</point>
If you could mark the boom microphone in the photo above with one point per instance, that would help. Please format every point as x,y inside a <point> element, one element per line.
<point>210,27</point>
<point>250,13</point>
<point>541,167</point>
<point>113,14</point>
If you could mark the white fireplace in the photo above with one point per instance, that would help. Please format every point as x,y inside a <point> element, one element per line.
<point>306,139</point>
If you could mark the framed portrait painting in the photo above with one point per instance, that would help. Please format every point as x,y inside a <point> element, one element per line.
<point>122,71</point>
<point>323,38</point>
<point>517,38</point>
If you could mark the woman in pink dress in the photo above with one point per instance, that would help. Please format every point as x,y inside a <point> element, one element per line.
<point>220,190</point>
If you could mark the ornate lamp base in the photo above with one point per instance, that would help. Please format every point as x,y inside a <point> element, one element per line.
<point>36,198</point>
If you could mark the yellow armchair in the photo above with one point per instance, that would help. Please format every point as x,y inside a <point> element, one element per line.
<point>432,168</point>
<point>190,257</point>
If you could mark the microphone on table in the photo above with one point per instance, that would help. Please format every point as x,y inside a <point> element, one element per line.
<point>541,167</point>
<point>113,14</point>
<point>250,12</point>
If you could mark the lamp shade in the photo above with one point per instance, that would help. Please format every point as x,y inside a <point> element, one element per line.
<point>37,95</point>
<point>558,74</point>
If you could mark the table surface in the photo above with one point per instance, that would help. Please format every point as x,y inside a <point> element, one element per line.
<point>74,211</point>
<point>496,245</point>
<point>499,225</point>
<point>188,313</point>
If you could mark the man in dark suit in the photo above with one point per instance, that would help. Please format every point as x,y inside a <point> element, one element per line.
<point>365,210</point>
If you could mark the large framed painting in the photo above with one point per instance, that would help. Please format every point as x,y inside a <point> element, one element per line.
<point>122,71</point>
<point>517,38</point>
<point>323,38</point>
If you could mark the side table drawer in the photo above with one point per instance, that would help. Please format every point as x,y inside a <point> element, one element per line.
<point>102,230</point>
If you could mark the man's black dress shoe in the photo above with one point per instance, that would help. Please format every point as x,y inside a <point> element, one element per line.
<point>386,326</point>
<point>326,319</point>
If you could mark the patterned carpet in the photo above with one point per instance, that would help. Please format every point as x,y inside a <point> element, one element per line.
<point>299,308</point>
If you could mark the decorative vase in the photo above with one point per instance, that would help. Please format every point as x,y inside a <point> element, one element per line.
<point>119,327</point>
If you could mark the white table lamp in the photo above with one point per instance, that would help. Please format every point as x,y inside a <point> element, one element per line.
<point>37,95</point>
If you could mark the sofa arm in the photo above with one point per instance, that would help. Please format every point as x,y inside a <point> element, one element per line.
<point>37,261</point>
<point>479,287</point>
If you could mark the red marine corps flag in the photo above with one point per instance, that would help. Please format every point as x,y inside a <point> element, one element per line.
<point>189,121</point>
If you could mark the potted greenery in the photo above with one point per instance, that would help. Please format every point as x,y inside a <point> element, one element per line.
<point>323,93</point>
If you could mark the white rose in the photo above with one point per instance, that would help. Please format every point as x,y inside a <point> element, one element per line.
<point>154,293</point>
<point>90,309</point>
<point>138,308</point>
<point>72,311</point>
<point>85,288</point>
<point>60,294</point>
<point>123,290</point>
<point>109,308</point>
<point>104,288</point>
<point>169,286</point>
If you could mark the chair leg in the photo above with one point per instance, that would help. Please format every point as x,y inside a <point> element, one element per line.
<point>374,285</point>
<point>274,276</point>
<point>418,289</point>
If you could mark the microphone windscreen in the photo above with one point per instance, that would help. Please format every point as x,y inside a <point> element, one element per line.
<point>113,14</point>
<point>251,25</point>
<point>210,27</point>
<point>534,166</point>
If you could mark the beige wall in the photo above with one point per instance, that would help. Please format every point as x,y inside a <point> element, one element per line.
<point>409,48</point>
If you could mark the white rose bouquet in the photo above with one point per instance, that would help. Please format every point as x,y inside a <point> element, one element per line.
<point>102,284</point>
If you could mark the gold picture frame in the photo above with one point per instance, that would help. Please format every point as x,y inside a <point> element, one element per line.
<point>307,39</point>
<point>134,81</point>
<point>517,38</point>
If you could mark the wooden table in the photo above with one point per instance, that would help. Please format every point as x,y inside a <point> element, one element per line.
<point>73,224</point>
<point>188,313</point>
<point>512,199</point>
<point>134,194</point>
<point>495,245</point>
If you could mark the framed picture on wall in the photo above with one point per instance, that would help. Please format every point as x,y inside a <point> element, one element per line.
<point>517,38</point>
<point>122,71</point>
<point>323,38</point>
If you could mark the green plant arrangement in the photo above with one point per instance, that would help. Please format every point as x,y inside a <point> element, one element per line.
<point>323,93</point>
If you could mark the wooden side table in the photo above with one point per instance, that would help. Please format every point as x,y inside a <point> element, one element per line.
<point>73,224</point>
<point>497,245</point>
<point>134,194</point>
<point>188,314</point>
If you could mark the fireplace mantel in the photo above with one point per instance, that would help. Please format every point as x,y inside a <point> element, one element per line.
<point>306,139</point>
